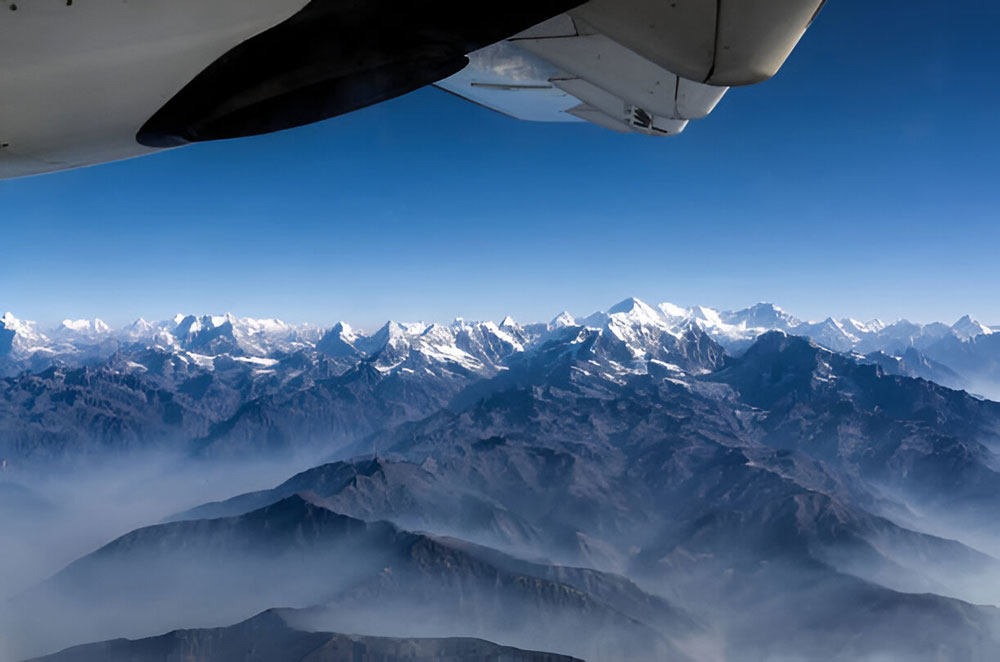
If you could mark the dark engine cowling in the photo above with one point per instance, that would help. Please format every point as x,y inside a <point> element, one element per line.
<point>333,57</point>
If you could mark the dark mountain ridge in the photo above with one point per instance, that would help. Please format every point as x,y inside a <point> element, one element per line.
<point>269,636</point>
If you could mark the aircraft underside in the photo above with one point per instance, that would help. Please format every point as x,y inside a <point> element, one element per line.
<point>92,81</point>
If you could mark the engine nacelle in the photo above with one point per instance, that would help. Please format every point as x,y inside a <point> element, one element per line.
<point>719,42</point>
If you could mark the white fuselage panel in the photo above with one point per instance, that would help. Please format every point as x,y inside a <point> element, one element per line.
<point>78,80</point>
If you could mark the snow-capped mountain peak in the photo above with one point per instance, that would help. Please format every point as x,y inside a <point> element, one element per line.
<point>438,343</point>
<point>562,320</point>
<point>17,325</point>
<point>707,316</point>
<point>27,339</point>
<point>345,331</point>
<point>84,327</point>
<point>638,312</point>
<point>857,327</point>
<point>391,337</point>
<point>220,320</point>
<point>340,341</point>
<point>967,328</point>
<point>761,316</point>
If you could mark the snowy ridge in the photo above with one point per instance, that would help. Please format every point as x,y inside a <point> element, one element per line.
<point>95,327</point>
<point>253,337</point>
<point>737,329</point>
<point>628,335</point>
<point>27,339</point>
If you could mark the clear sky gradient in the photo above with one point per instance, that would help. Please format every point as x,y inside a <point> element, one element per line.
<point>861,181</point>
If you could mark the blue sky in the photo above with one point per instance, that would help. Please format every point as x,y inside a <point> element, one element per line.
<point>861,181</point>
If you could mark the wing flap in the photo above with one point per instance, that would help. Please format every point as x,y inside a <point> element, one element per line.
<point>646,66</point>
<point>509,80</point>
<point>610,66</point>
<point>632,117</point>
<point>600,118</point>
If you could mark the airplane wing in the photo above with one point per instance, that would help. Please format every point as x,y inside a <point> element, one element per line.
<point>91,81</point>
<point>634,66</point>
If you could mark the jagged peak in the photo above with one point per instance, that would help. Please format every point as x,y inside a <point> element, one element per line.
<point>966,320</point>
<point>389,328</point>
<point>220,320</point>
<point>343,329</point>
<point>211,321</point>
<point>871,326</point>
<point>763,310</point>
<point>12,322</point>
<point>709,315</point>
<point>968,327</point>
<point>339,341</point>
<point>411,328</point>
<point>561,320</point>
<point>392,335</point>
<point>766,306</point>
<point>629,305</point>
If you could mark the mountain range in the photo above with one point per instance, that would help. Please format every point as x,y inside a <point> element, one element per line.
<point>645,483</point>
<point>260,337</point>
<point>952,352</point>
<point>220,384</point>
